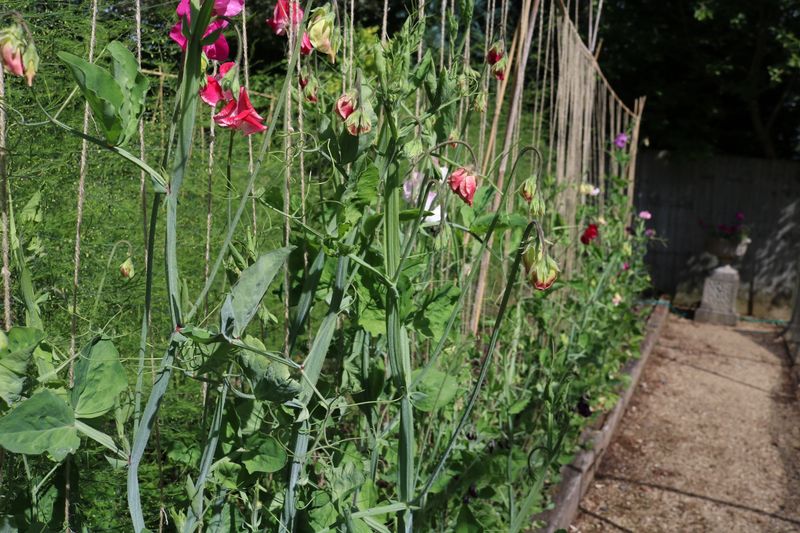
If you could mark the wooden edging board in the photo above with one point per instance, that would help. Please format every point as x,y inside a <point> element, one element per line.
<point>576,476</point>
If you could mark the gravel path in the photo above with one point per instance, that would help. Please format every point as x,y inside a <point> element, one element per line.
<point>710,441</point>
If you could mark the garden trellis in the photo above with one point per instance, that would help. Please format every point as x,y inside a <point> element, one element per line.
<point>354,317</point>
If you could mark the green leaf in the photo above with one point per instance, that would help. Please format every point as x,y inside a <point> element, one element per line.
<point>467,523</point>
<point>268,457</point>
<point>42,423</point>
<point>101,92</point>
<point>434,313</point>
<point>134,85</point>
<point>99,378</point>
<point>435,390</point>
<point>16,348</point>
<point>271,380</point>
<point>245,297</point>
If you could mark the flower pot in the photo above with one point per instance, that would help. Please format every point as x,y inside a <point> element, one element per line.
<point>727,250</point>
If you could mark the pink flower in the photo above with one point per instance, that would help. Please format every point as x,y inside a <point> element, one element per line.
<point>346,104</point>
<point>621,140</point>
<point>616,299</point>
<point>281,14</point>
<point>499,69</point>
<point>650,233</point>
<point>626,266</point>
<point>240,115</point>
<point>12,59</point>
<point>218,50</point>
<point>213,92</point>
<point>463,183</point>
<point>645,215</point>
<point>228,8</point>
<point>305,45</point>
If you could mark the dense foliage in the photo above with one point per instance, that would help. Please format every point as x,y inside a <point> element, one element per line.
<point>325,377</point>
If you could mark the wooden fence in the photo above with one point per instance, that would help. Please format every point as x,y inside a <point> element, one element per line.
<point>682,192</point>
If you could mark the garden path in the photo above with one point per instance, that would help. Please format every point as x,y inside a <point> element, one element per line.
<point>710,441</point>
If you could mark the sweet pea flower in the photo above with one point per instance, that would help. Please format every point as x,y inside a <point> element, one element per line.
<point>616,299</point>
<point>240,115</point>
<point>17,53</point>
<point>284,10</point>
<point>595,191</point>
<point>213,92</point>
<point>464,184</point>
<point>621,140</point>
<point>499,69</point>
<point>305,45</point>
<point>347,104</point>
<point>323,33</point>
<point>542,270</point>
<point>358,123</point>
<point>740,216</point>
<point>645,215</point>
<point>589,234</point>
<point>126,269</point>
<point>309,84</point>
<point>228,8</point>
<point>626,266</point>
<point>218,50</point>
<point>495,53</point>
<point>649,233</point>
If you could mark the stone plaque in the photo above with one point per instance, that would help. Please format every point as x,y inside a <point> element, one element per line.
<point>719,297</point>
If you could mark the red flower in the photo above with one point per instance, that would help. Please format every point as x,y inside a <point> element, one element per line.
<point>240,115</point>
<point>589,234</point>
<point>464,184</point>
<point>346,104</point>
<point>495,53</point>
<point>213,92</point>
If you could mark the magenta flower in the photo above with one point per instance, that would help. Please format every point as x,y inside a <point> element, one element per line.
<point>645,215</point>
<point>621,140</point>
<point>305,45</point>
<point>240,115</point>
<point>228,8</point>
<point>346,104</point>
<point>213,92</point>
<point>284,10</point>
<point>625,266</point>
<point>12,59</point>
<point>740,216</point>
<point>649,233</point>
<point>218,50</point>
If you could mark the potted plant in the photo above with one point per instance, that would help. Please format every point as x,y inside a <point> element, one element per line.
<point>728,242</point>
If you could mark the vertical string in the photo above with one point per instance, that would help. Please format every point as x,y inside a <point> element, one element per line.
<point>246,60</point>
<point>384,35</point>
<point>4,207</point>
<point>287,178</point>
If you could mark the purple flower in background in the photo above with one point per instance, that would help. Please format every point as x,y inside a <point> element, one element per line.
<point>740,216</point>
<point>621,140</point>
<point>650,233</point>
<point>645,215</point>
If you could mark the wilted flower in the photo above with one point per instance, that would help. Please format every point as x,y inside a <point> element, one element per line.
<point>530,194</point>
<point>305,45</point>
<point>463,183</point>
<point>240,115</point>
<point>616,299</point>
<point>495,53</point>
<point>347,104</point>
<point>589,234</point>
<point>323,33</point>
<point>284,10</point>
<point>214,91</point>
<point>645,215</point>
<point>126,268</point>
<point>541,269</point>
<point>218,50</point>
<point>621,140</point>
<point>479,104</point>
<point>309,84</point>
<point>17,53</point>
<point>602,221</point>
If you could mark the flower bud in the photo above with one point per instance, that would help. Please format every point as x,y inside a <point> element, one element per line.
<point>541,269</point>
<point>499,69</point>
<point>358,123</point>
<point>305,45</point>
<point>323,33</point>
<point>528,189</point>
<point>479,104</point>
<point>347,104</point>
<point>126,268</point>
<point>18,54</point>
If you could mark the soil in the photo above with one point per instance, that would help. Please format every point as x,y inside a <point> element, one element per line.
<point>710,440</point>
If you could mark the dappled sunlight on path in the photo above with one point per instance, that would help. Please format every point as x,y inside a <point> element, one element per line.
<point>710,441</point>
